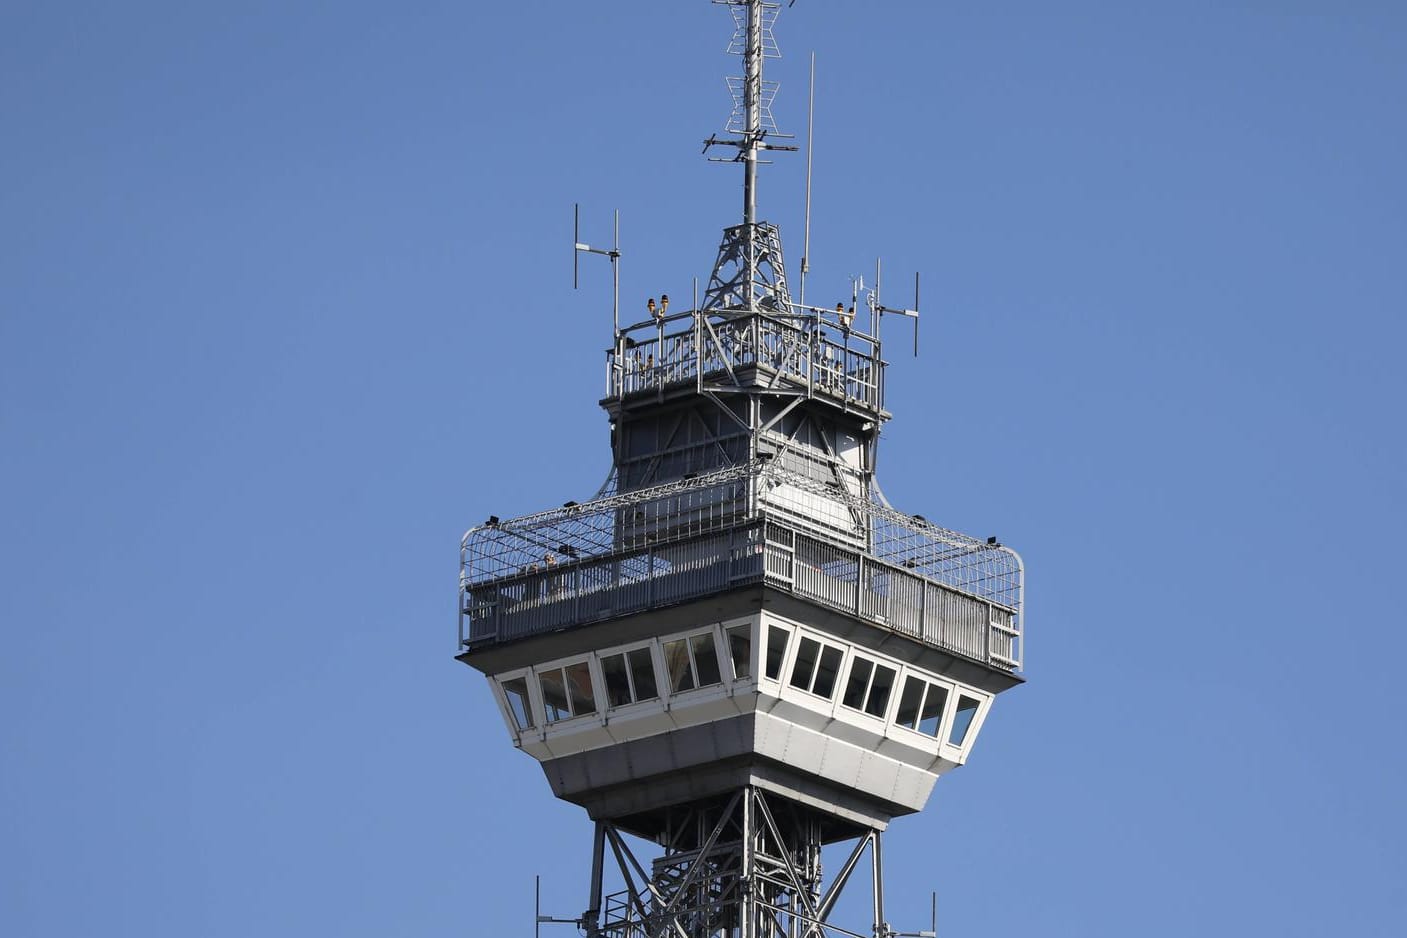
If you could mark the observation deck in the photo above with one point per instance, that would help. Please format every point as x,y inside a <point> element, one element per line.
<point>756,524</point>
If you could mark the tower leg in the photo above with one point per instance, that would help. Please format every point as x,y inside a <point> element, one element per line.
<point>744,866</point>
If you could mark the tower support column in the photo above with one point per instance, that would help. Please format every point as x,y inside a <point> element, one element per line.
<point>744,866</point>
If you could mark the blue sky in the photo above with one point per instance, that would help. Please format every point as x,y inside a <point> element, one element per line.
<point>285,306</point>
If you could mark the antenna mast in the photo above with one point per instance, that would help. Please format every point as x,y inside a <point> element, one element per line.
<point>752,106</point>
<point>810,150</point>
<point>751,250</point>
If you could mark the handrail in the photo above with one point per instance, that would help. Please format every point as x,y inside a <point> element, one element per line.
<point>675,351</point>
<point>582,591</point>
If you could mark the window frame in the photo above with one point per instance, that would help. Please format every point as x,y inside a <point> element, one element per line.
<point>536,711</point>
<point>823,647</point>
<point>749,628</point>
<point>594,679</point>
<point>875,664</point>
<point>974,726</point>
<point>687,639</point>
<point>624,652</point>
<point>950,690</point>
<point>789,644</point>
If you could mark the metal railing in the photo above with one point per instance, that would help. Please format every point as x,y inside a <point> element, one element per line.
<point>693,347</point>
<point>581,592</point>
<point>624,552</point>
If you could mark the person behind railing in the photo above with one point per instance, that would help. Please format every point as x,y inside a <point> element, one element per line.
<point>554,582</point>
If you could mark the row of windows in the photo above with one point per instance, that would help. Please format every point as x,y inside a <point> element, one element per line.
<point>645,672</point>
<point>868,685</point>
<point>628,676</point>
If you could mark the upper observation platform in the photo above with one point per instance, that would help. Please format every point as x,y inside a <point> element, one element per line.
<point>756,524</point>
<point>807,351</point>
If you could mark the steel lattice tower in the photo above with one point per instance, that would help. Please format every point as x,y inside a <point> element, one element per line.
<point>738,651</point>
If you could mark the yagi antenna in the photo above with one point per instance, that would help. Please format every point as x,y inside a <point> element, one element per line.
<point>579,248</point>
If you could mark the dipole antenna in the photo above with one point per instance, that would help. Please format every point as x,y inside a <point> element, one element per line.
<point>877,309</point>
<point>579,248</point>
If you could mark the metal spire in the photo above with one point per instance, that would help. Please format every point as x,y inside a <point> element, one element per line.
<point>752,105</point>
<point>748,273</point>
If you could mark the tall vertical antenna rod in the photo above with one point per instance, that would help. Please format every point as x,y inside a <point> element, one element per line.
<point>810,141</point>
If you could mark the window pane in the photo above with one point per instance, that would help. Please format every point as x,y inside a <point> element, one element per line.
<point>706,659</point>
<point>827,672</point>
<point>579,688</point>
<point>676,663</point>
<point>740,647</point>
<point>860,669</point>
<point>617,683</point>
<point>932,713</point>
<point>516,691</point>
<point>883,683</point>
<point>642,672</point>
<point>554,695</point>
<point>962,720</point>
<point>776,651</point>
<point>805,666</point>
<point>908,704</point>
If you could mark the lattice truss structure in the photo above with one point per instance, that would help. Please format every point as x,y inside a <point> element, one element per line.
<point>627,522</point>
<point>750,865</point>
<point>749,272</point>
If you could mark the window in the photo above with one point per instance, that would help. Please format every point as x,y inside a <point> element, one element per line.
<point>617,678</point>
<point>868,687</point>
<point>880,688</point>
<point>692,662</point>
<point>705,659</point>
<point>630,677</point>
<point>554,695</point>
<point>516,690</point>
<point>642,673</point>
<point>827,672</point>
<point>861,670</point>
<point>909,702</point>
<point>776,651</point>
<point>803,669</point>
<point>962,719</point>
<point>740,650</point>
<point>566,691</point>
<point>816,668</point>
<point>932,713</point>
<point>921,706</point>
<point>676,664</point>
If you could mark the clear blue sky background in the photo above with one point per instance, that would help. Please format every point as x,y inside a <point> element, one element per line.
<point>285,306</point>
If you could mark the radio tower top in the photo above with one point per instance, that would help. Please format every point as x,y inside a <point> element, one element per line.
<point>751,119</point>
<point>738,649</point>
<point>748,274</point>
